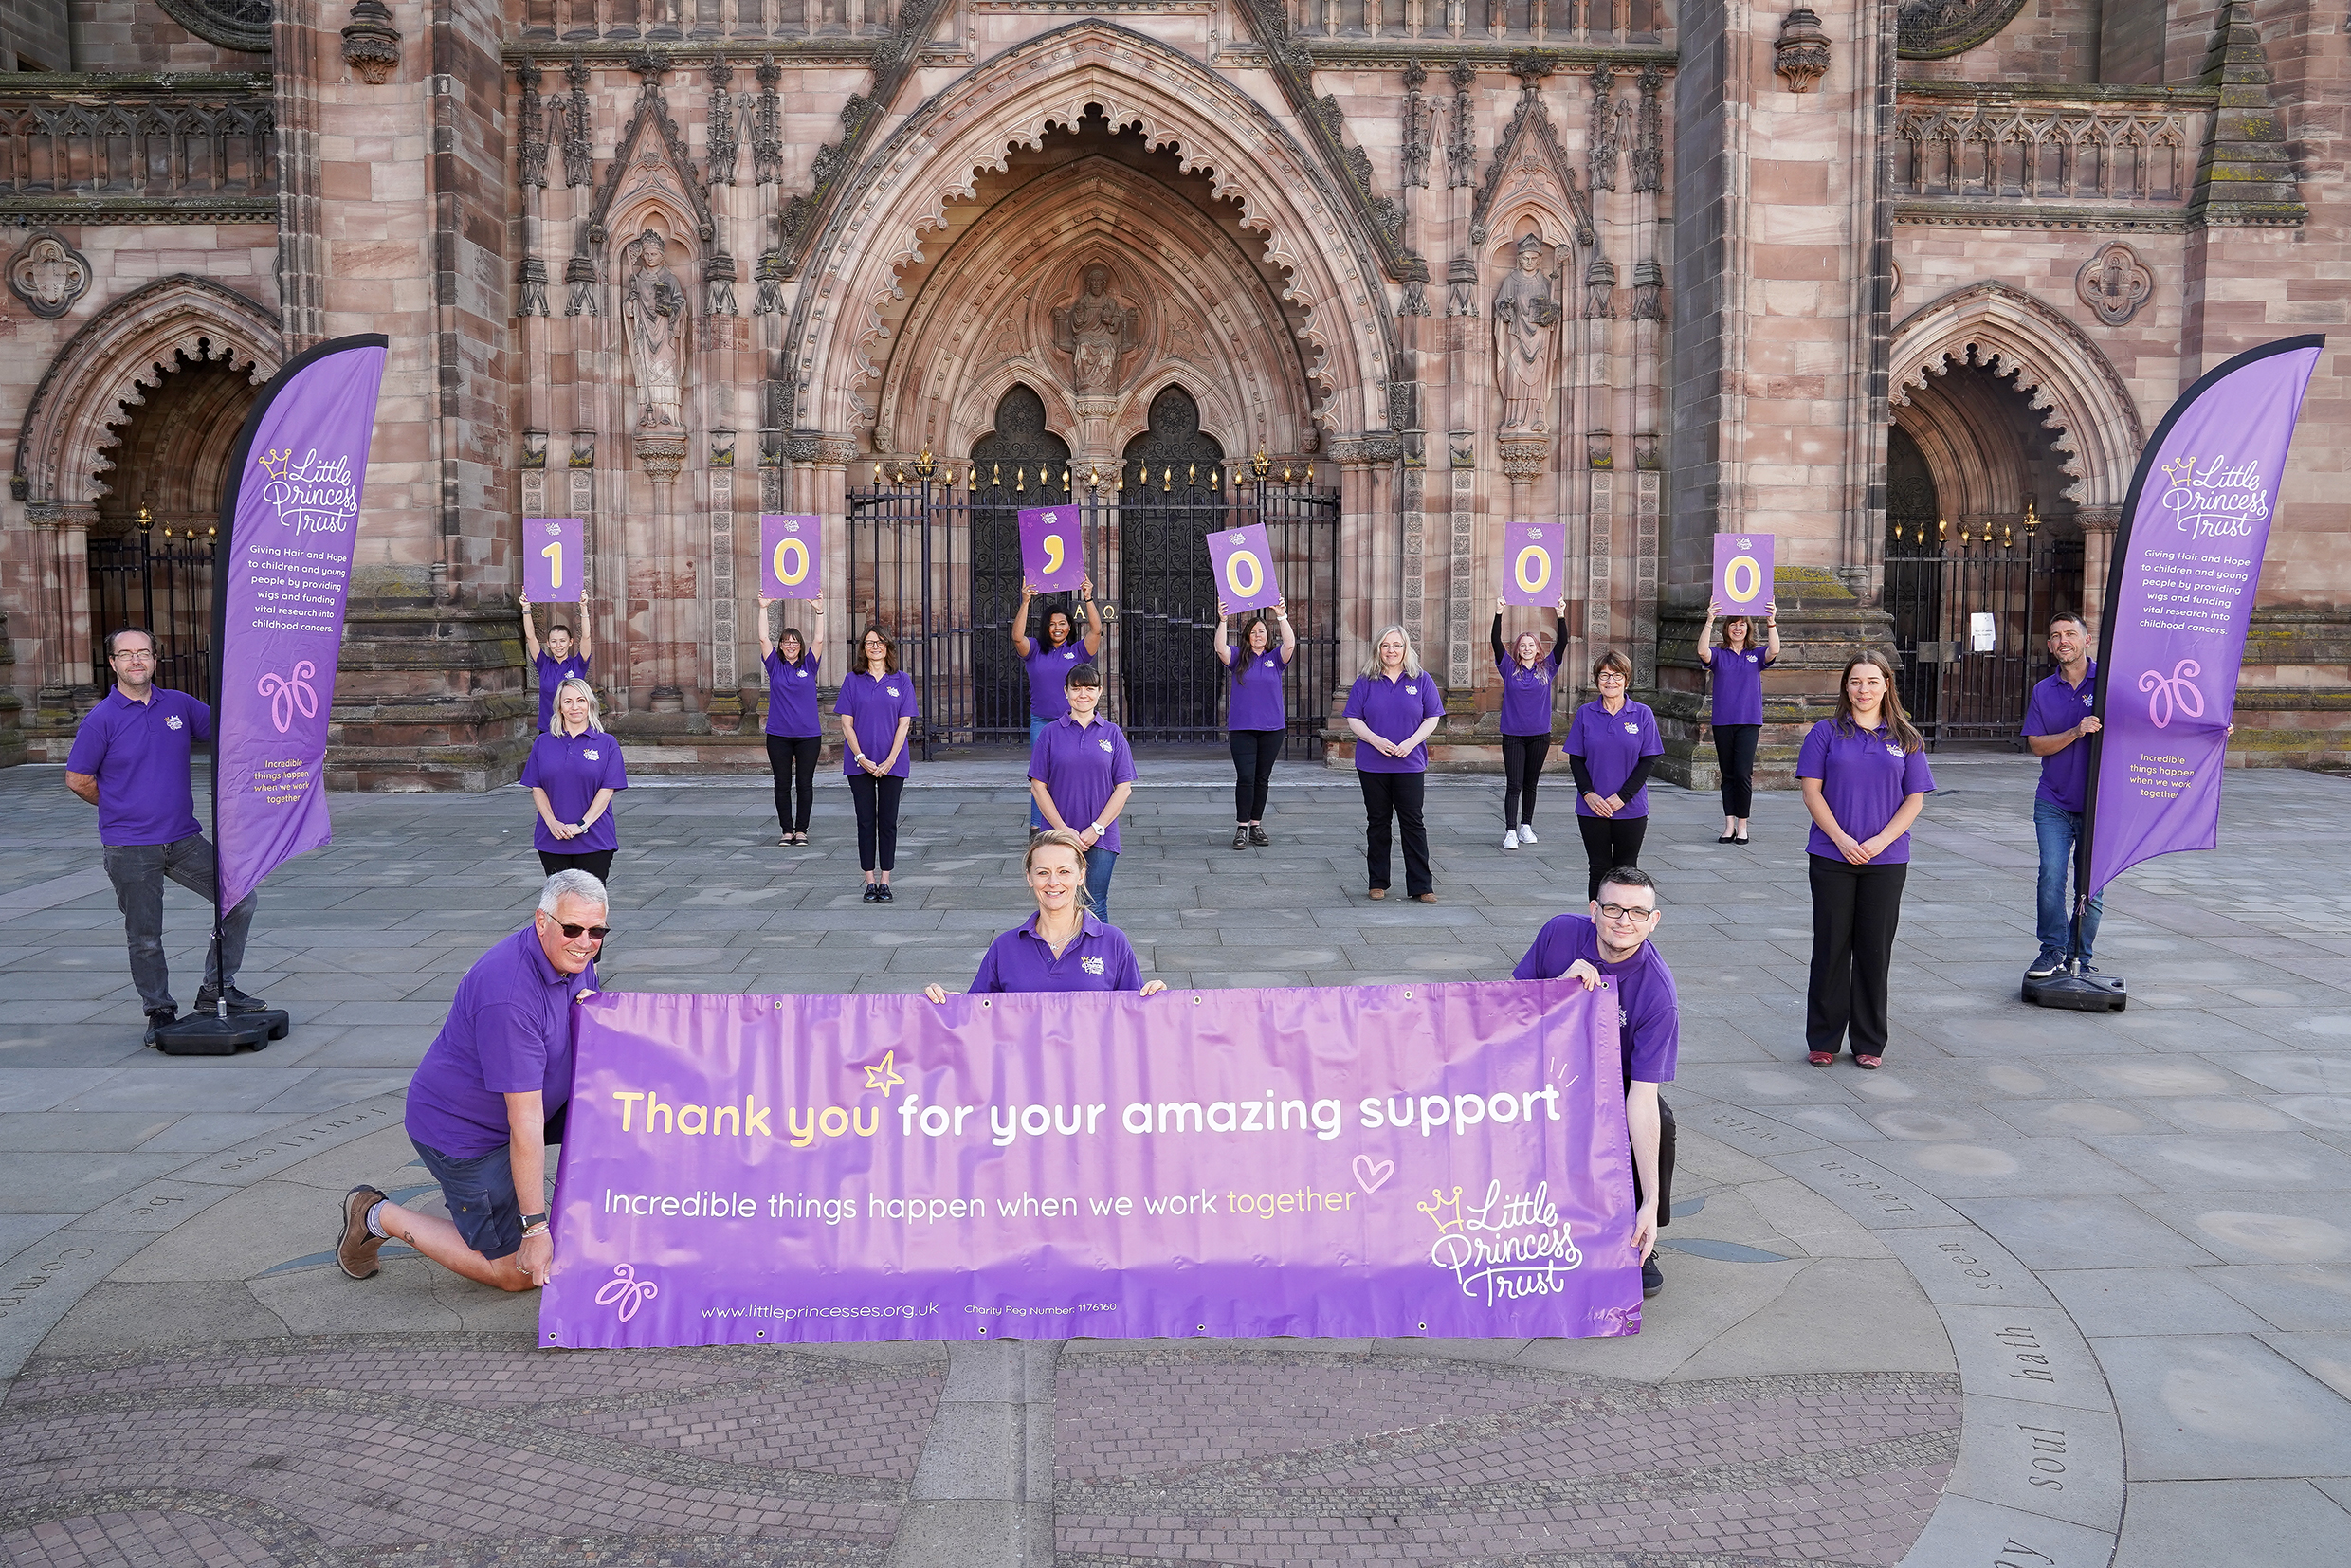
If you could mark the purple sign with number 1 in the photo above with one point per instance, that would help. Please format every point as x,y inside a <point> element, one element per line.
<point>550,563</point>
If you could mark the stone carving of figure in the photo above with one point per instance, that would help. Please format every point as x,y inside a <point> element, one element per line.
<point>653,307</point>
<point>1094,329</point>
<point>1526,343</point>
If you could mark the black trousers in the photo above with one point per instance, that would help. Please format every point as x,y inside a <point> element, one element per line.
<point>1254,752</point>
<point>792,759</point>
<point>1855,909</point>
<point>1521,765</point>
<point>1399,795</point>
<point>1610,842</point>
<point>877,818</point>
<point>1734,752</point>
<point>1664,1165</point>
<point>598,864</point>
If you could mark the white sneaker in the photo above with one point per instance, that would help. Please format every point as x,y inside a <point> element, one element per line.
<point>1510,838</point>
<point>1527,833</point>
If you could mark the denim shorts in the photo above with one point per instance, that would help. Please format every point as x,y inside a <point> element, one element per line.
<point>481,1198</point>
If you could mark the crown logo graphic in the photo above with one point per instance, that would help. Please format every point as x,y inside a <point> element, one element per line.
<point>274,463</point>
<point>2184,468</point>
<point>1445,1211</point>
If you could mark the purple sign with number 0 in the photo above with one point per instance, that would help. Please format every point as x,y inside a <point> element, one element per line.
<point>1243,561</point>
<point>792,556</point>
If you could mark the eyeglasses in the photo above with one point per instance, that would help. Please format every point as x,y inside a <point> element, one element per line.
<point>136,655</point>
<point>595,930</point>
<point>1624,912</point>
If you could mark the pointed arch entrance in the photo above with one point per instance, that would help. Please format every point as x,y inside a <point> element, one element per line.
<point>1017,462</point>
<point>1171,498</point>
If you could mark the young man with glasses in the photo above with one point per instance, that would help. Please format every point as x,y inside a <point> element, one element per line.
<point>489,1098</point>
<point>1611,944</point>
<point>130,759</point>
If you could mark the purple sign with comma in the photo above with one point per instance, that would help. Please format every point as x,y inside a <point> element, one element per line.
<point>551,559</point>
<point>2180,597</point>
<point>1052,549</point>
<point>1441,1159</point>
<point>290,521</point>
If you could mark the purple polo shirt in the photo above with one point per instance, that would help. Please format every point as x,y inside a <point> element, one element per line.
<point>572,768</point>
<point>791,696</point>
<point>1394,708</point>
<point>552,672</point>
<point>875,705</point>
<point>1865,776</point>
<point>1048,670</point>
<point>1611,743</point>
<point>509,1031</point>
<point>1738,684</point>
<point>1097,959</point>
<point>1648,1018</point>
<point>1255,683</point>
<point>1527,694</point>
<point>138,753</point>
<point>2054,709</point>
<point>1082,766</point>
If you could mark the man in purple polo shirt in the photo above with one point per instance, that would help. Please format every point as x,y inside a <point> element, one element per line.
<point>488,1099</point>
<point>1612,945</point>
<point>130,760</point>
<point>2058,723</point>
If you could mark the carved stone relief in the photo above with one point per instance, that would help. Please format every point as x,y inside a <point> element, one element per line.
<point>1801,54</point>
<point>655,312</point>
<point>48,275</point>
<point>371,43</point>
<point>240,25</point>
<point>1095,330</point>
<point>2114,282</point>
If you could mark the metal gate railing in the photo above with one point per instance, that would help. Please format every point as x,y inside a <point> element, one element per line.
<point>163,586</point>
<point>937,564</point>
<point>1969,615</point>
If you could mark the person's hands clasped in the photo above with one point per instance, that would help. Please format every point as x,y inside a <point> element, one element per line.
<point>1601,805</point>
<point>1853,849</point>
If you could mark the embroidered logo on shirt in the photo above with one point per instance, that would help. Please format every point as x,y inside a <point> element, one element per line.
<point>892,690</point>
<point>801,673</point>
<point>1105,745</point>
<point>1092,966</point>
<point>1268,664</point>
<point>594,756</point>
<point>1411,691</point>
<point>171,721</point>
<point>2085,700</point>
<point>1633,727</point>
<point>1892,750</point>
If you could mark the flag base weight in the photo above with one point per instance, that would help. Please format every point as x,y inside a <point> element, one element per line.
<point>206,1035</point>
<point>2079,992</point>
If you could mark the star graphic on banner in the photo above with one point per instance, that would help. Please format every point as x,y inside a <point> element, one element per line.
<point>883,1075</point>
<point>2184,468</point>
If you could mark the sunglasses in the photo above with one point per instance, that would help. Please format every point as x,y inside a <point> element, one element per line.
<point>595,930</point>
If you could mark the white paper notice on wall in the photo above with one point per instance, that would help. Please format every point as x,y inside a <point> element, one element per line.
<point>1983,631</point>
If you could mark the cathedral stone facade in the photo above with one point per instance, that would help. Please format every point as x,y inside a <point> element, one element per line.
<point>1902,282</point>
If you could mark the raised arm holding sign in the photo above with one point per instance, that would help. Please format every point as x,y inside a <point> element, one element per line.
<point>1053,548</point>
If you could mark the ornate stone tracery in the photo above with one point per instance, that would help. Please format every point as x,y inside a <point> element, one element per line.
<point>2114,282</point>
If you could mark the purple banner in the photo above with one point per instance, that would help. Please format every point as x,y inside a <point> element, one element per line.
<point>1743,573</point>
<point>1243,561</point>
<point>1440,1160</point>
<point>1531,564</point>
<point>1052,552</point>
<point>792,556</point>
<point>551,559</point>
<point>291,521</point>
<point>2180,595</point>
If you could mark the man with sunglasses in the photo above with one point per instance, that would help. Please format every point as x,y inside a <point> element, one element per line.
<point>130,760</point>
<point>489,1098</point>
<point>1613,944</point>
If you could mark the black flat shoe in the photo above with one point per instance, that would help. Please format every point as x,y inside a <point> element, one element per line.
<point>1726,839</point>
<point>872,893</point>
<point>882,894</point>
<point>1739,841</point>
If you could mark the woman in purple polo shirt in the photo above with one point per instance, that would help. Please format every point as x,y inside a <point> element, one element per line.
<point>795,735</point>
<point>1049,662</point>
<point>877,709</point>
<point>574,770</point>
<point>1610,746</point>
<point>561,661</point>
<point>1529,677</point>
<point>1062,947</point>
<point>1737,667</point>
<point>1257,715</point>
<point>1865,778</point>
<point>1394,708</point>
<point>1080,771</point>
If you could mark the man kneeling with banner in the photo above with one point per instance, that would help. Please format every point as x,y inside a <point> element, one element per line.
<point>489,1097</point>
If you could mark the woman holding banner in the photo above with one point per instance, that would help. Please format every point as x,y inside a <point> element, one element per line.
<point>1865,778</point>
<point>1049,662</point>
<point>877,709</point>
<point>1529,676</point>
<point>1610,746</point>
<point>574,772</point>
<point>1394,708</point>
<point>1064,946</point>
<point>1080,771</point>
<point>1257,715</point>
<point>795,735</point>
<point>1738,669</point>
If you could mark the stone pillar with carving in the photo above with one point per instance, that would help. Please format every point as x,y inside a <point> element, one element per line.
<point>68,685</point>
<point>2099,524</point>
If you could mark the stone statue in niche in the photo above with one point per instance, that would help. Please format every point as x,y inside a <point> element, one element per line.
<point>1526,339</point>
<point>653,309</point>
<point>1094,330</point>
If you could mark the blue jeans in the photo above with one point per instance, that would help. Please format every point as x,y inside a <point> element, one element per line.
<point>1099,865</point>
<point>2058,831</point>
<point>1036,727</point>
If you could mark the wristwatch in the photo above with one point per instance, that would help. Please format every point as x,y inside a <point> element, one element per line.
<point>534,1224</point>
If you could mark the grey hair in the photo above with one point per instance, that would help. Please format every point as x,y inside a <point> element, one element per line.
<point>595,703</point>
<point>1411,660</point>
<point>574,883</point>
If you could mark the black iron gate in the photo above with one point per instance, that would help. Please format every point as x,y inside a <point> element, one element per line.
<point>161,585</point>
<point>935,558</point>
<point>1970,610</point>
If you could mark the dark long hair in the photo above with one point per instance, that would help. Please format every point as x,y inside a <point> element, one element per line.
<point>890,659</point>
<point>1249,657</point>
<point>1890,709</point>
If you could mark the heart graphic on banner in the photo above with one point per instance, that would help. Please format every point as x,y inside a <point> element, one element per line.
<point>1371,1176</point>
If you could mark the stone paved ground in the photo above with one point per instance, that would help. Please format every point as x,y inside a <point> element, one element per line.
<point>2046,1283</point>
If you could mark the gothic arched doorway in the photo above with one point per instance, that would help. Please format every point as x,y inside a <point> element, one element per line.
<point>1018,463</point>
<point>1171,497</point>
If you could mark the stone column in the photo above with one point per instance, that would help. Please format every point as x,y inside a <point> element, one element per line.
<point>2099,526</point>
<point>662,457</point>
<point>68,688</point>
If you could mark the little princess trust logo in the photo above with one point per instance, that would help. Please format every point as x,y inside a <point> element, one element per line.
<point>1507,1248</point>
<point>2217,500</point>
<point>313,494</point>
<point>624,1293</point>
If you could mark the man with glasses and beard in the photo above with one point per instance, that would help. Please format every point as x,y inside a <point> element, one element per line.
<point>489,1098</point>
<point>1611,943</point>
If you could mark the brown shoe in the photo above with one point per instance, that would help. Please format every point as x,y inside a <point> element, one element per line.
<point>1425,898</point>
<point>356,1250</point>
<point>1377,893</point>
